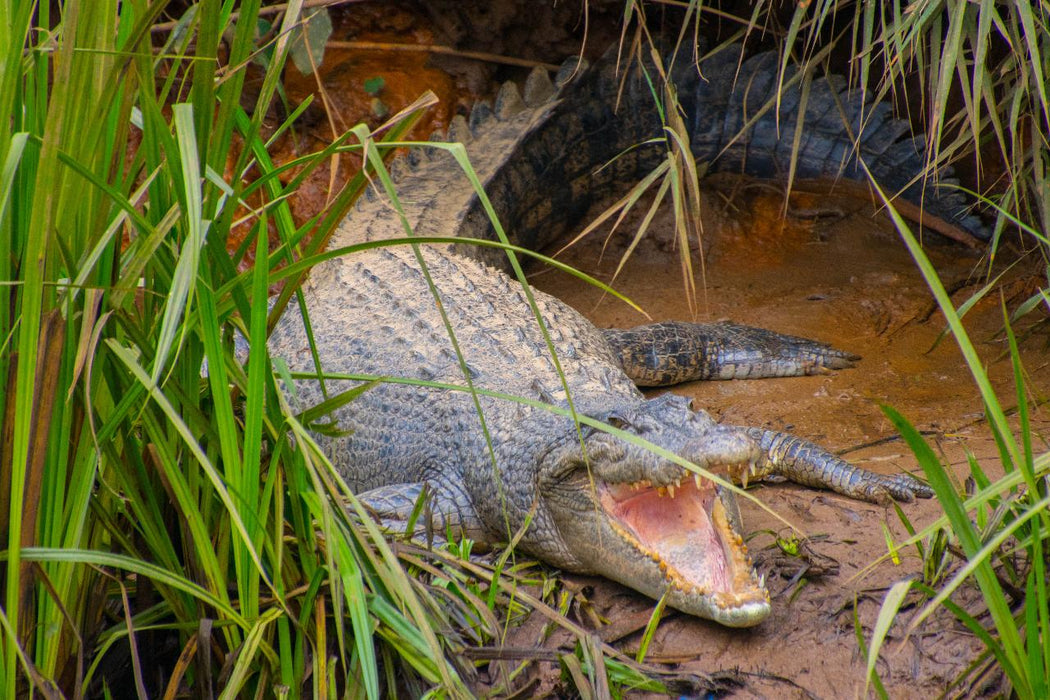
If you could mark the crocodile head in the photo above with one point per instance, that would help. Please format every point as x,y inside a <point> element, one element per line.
<point>633,516</point>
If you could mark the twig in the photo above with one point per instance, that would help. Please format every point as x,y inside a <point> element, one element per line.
<point>510,653</point>
<point>443,50</point>
<point>912,212</point>
<point>882,441</point>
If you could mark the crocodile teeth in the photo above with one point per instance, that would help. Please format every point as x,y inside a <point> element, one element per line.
<point>670,489</point>
<point>699,481</point>
<point>662,491</point>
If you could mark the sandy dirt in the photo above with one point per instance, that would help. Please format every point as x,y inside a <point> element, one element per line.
<point>849,281</point>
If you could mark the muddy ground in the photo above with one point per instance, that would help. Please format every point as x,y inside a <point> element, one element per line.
<point>849,281</point>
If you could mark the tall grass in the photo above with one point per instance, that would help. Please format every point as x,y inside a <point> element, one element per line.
<point>184,525</point>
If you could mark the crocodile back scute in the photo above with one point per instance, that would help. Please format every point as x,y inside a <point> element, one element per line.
<point>373,313</point>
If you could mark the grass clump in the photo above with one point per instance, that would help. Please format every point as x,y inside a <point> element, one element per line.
<point>168,519</point>
<point>1000,531</point>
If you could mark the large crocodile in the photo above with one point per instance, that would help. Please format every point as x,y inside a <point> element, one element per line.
<point>575,495</point>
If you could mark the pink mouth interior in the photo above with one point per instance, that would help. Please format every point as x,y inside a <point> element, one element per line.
<point>679,530</point>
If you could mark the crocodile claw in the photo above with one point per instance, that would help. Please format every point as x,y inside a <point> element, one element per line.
<point>898,487</point>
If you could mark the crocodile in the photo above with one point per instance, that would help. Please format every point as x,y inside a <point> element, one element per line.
<point>581,470</point>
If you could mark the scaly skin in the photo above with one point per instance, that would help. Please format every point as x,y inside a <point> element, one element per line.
<point>805,463</point>
<point>601,505</point>
<point>673,352</point>
<point>545,159</point>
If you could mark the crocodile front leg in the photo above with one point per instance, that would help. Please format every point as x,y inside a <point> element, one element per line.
<point>672,352</point>
<point>805,463</point>
<point>444,512</point>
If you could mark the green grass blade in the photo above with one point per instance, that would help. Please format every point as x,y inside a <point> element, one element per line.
<point>253,643</point>
<point>137,566</point>
<point>189,442</point>
<point>969,540</point>
<point>189,257</point>
<point>891,606</point>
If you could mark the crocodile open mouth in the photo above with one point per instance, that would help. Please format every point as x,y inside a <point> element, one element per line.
<point>684,528</point>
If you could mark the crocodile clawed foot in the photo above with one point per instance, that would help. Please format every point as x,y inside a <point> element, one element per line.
<point>904,488</point>
<point>805,463</point>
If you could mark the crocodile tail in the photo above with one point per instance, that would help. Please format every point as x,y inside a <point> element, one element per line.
<point>736,125</point>
<point>601,133</point>
<point>546,154</point>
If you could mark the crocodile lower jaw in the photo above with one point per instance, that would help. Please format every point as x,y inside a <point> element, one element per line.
<point>684,530</point>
